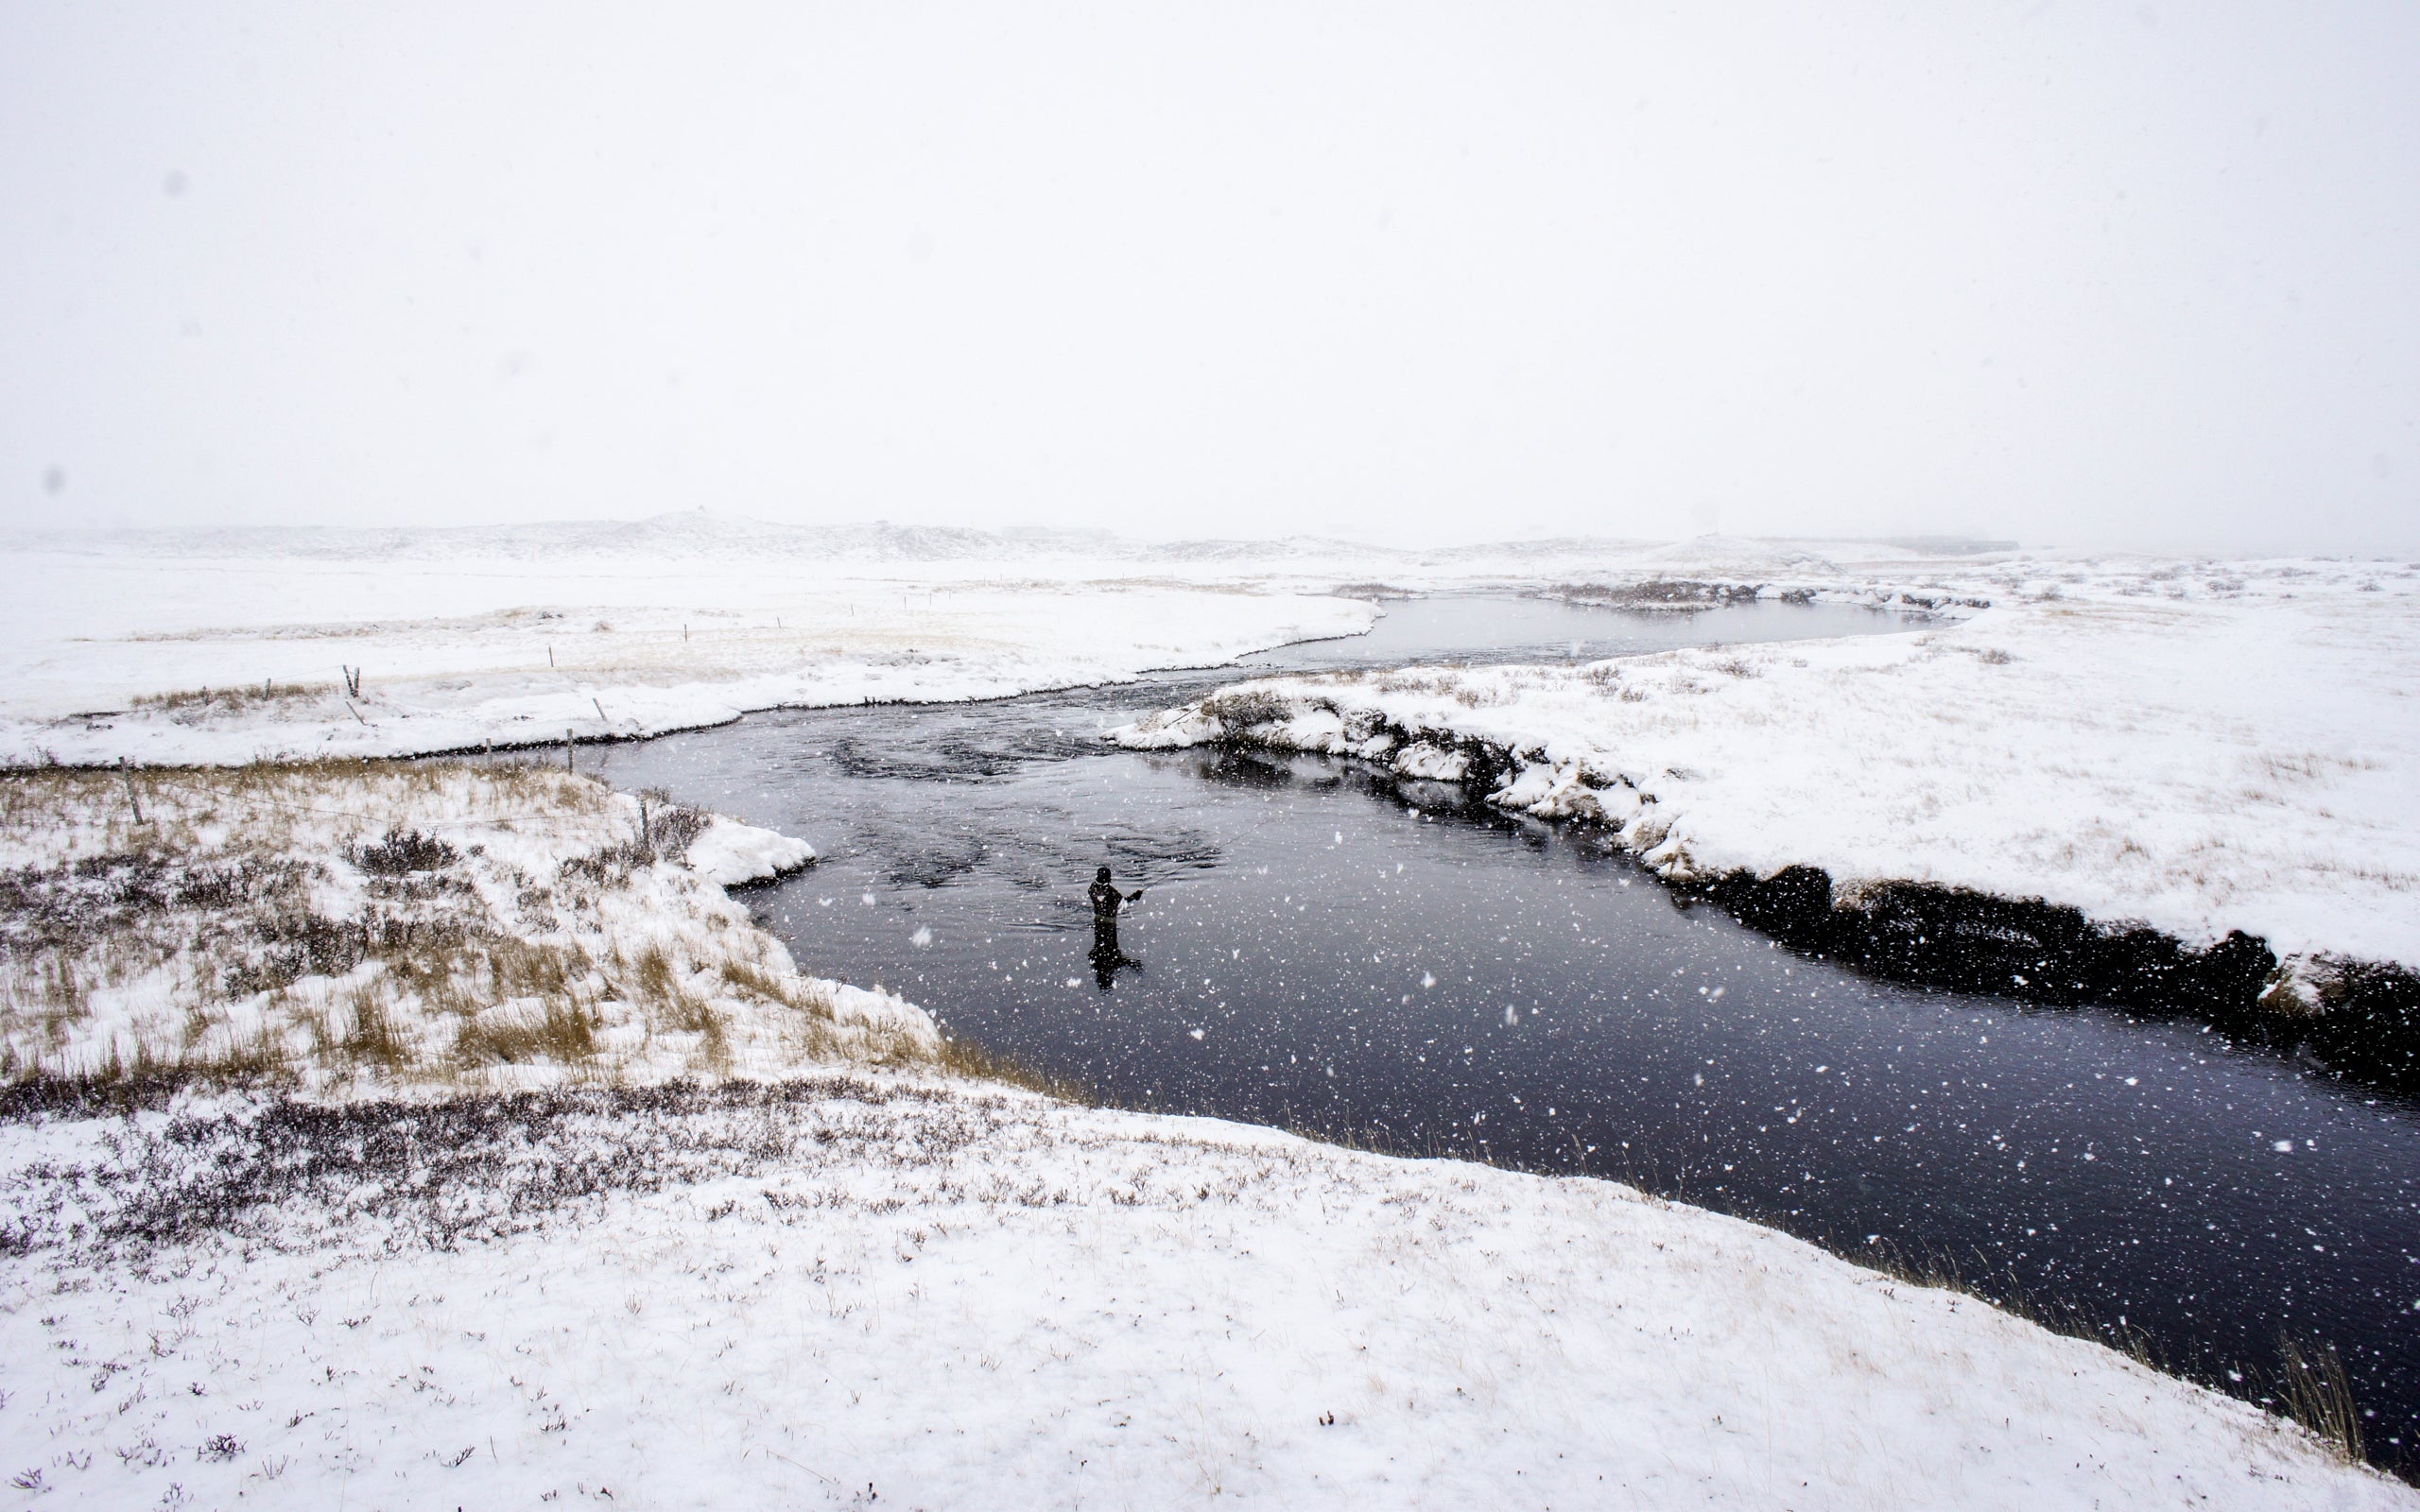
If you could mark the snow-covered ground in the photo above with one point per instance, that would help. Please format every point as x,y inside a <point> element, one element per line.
<point>354,926</point>
<point>2201,747</point>
<point>879,1278</point>
<point>109,654</point>
<point>844,1292</point>
<point>231,645</point>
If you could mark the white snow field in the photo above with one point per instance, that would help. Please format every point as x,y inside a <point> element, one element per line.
<point>227,646</point>
<point>573,1191</point>
<point>2199,747</point>
<point>155,656</point>
<point>868,1291</point>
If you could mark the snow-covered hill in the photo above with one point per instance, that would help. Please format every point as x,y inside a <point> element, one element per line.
<point>864,1293</point>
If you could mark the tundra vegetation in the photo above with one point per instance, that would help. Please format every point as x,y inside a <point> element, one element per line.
<point>347,923</point>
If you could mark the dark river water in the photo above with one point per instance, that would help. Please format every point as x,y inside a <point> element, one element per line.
<point>1320,949</point>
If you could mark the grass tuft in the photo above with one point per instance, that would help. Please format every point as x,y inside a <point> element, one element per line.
<point>2317,1394</point>
<point>558,1031</point>
<point>968,1058</point>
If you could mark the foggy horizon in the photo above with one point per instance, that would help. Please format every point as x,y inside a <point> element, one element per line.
<point>1350,533</point>
<point>2124,279</point>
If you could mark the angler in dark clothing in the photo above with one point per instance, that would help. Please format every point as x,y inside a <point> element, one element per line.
<point>1107,900</point>
<point>1107,903</point>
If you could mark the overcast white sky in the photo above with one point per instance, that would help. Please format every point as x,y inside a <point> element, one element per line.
<point>2105,274</point>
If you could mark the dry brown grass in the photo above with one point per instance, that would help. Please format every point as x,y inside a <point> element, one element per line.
<point>347,920</point>
<point>206,701</point>
<point>92,811</point>
<point>372,1037</point>
<point>559,1032</point>
<point>968,1058</point>
<point>2317,1394</point>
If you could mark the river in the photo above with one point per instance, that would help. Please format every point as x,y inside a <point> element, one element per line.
<point>1322,948</point>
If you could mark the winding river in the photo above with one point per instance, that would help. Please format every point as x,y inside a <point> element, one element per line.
<point>1329,951</point>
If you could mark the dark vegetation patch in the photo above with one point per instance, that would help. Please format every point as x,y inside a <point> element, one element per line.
<point>667,827</point>
<point>665,831</point>
<point>294,945</point>
<point>254,914</point>
<point>1663,593</point>
<point>2373,1022</point>
<point>438,1175</point>
<point>404,850</point>
<point>1692,593</point>
<point>76,903</point>
<point>2368,1026</point>
<point>1975,942</point>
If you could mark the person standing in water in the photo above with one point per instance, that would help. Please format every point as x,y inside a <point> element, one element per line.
<point>1107,903</point>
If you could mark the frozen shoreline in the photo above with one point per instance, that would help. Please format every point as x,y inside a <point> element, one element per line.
<point>2244,756</point>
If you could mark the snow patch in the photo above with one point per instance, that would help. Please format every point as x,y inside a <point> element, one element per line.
<point>730,853</point>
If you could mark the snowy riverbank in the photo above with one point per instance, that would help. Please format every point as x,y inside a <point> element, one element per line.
<point>2203,751</point>
<point>348,927</point>
<point>227,646</point>
<point>179,660</point>
<point>830,1292</point>
<point>653,1219</point>
<point>584,1258</point>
